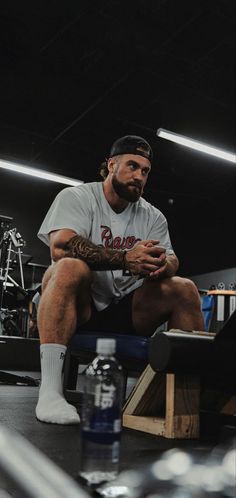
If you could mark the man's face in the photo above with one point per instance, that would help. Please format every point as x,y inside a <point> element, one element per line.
<point>129,175</point>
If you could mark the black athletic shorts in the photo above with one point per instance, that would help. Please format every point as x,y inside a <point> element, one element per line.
<point>115,319</point>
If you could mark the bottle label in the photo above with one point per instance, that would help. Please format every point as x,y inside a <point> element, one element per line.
<point>101,409</point>
<point>104,396</point>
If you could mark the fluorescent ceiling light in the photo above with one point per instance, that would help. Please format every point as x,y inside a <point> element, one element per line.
<point>38,173</point>
<point>194,144</point>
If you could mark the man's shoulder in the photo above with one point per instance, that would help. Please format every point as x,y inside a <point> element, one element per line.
<point>146,207</point>
<point>81,189</point>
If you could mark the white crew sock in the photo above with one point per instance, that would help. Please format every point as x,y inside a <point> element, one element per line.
<point>52,406</point>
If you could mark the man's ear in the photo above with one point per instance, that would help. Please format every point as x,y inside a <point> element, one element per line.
<point>111,164</point>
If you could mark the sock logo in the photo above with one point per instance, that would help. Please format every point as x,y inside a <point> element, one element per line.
<point>41,355</point>
<point>62,356</point>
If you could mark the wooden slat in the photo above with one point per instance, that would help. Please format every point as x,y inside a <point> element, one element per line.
<point>182,406</point>
<point>151,425</point>
<point>183,427</point>
<point>146,394</point>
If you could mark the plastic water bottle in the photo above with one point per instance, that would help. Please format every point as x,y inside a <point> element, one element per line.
<point>101,416</point>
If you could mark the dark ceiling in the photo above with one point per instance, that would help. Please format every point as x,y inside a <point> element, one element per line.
<point>76,75</point>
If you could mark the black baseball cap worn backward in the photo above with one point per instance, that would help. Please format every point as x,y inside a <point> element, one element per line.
<point>131,144</point>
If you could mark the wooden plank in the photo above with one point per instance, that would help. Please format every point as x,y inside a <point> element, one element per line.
<point>183,427</point>
<point>151,425</point>
<point>182,406</point>
<point>187,394</point>
<point>170,404</point>
<point>148,396</point>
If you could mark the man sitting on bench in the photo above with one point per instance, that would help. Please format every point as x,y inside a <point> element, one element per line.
<point>114,269</point>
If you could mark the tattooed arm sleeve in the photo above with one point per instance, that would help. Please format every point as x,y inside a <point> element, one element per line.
<point>96,257</point>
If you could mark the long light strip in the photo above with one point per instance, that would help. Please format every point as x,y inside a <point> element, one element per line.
<point>38,173</point>
<point>195,144</point>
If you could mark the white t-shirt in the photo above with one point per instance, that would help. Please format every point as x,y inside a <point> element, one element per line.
<point>85,210</point>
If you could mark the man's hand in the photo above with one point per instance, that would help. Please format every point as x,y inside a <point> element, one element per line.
<point>168,268</point>
<point>162,267</point>
<point>146,258</point>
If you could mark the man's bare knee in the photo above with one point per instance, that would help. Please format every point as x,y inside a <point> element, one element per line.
<point>184,288</point>
<point>68,272</point>
<point>72,272</point>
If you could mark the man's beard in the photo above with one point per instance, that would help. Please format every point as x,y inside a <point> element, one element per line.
<point>124,192</point>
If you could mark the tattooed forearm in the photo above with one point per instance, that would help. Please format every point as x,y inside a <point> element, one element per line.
<point>96,257</point>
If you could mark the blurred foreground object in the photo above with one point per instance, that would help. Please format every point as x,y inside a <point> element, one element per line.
<point>29,473</point>
<point>178,474</point>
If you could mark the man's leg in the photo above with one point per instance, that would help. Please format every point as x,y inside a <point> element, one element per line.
<point>65,293</point>
<point>174,299</point>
